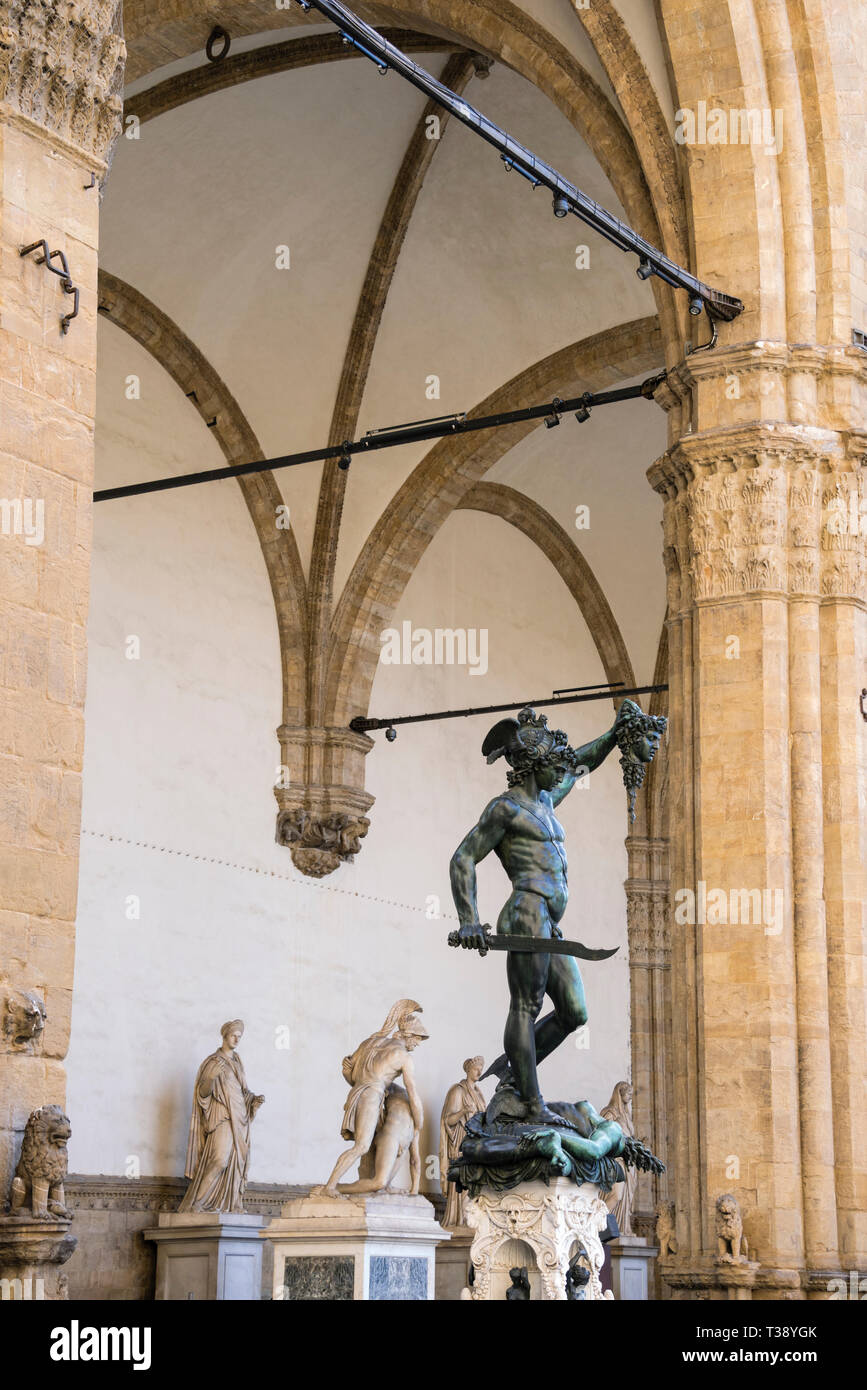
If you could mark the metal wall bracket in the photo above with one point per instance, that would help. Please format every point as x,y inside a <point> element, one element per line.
<point>63,272</point>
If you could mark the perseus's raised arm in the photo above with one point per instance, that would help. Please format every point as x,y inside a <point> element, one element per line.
<point>583,761</point>
<point>471,851</point>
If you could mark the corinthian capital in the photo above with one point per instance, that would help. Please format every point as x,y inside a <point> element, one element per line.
<point>61,66</point>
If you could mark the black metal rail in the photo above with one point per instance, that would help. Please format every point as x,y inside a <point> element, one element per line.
<point>567,197</point>
<point>393,435</point>
<point>361,725</point>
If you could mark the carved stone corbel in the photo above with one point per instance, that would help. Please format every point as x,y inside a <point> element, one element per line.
<point>322,815</point>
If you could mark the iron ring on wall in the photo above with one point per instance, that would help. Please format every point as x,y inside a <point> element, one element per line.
<point>218,35</point>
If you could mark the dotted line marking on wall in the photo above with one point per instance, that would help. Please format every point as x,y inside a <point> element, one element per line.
<point>297,879</point>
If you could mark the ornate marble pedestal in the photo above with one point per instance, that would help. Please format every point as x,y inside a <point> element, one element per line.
<point>538,1225</point>
<point>31,1253</point>
<point>379,1247</point>
<point>631,1273</point>
<point>207,1256</point>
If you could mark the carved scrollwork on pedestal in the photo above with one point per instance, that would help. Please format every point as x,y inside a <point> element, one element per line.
<point>552,1221</point>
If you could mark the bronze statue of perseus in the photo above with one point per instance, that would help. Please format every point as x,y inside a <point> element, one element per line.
<point>520,827</point>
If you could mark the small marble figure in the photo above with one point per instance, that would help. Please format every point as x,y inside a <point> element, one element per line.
<point>622,1195</point>
<point>42,1166</point>
<point>520,1289</point>
<point>218,1152</point>
<point>731,1241</point>
<point>379,1114</point>
<point>462,1100</point>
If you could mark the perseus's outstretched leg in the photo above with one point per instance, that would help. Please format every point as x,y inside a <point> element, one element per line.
<point>566,989</point>
<point>525,914</point>
<point>566,992</point>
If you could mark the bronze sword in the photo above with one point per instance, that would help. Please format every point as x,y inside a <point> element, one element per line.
<point>539,945</point>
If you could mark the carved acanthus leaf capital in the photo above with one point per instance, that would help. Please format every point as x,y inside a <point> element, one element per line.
<point>61,65</point>
<point>769,509</point>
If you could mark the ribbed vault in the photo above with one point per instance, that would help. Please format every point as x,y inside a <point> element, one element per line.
<point>440,482</point>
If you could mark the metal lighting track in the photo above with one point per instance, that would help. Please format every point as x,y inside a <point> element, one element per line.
<point>362,725</point>
<point>567,198</point>
<point>393,435</point>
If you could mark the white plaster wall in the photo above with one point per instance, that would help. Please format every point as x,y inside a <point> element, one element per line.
<point>178,810</point>
<point>601,465</point>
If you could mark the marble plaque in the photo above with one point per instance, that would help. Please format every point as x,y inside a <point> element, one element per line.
<point>310,1277</point>
<point>398,1278</point>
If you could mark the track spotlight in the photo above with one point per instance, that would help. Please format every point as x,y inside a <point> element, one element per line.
<point>645,269</point>
<point>583,412</point>
<point>554,418</point>
<point>345,458</point>
<point>696,305</point>
<point>561,206</point>
<point>391,734</point>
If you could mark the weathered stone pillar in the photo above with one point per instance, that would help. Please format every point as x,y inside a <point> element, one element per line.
<point>766,588</point>
<point>60,71</point>
<point>649,934</point>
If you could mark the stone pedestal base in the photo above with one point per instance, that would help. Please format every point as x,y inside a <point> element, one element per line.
<point>31,1254</point>
<point>207,1256</point>
<point>631,1268</point>
<point>453,1260</point>
<point>714,1279</point>
<point>541,1226</point>
<point>377,1246</point>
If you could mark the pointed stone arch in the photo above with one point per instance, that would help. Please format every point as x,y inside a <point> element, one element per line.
<point>128,309</point>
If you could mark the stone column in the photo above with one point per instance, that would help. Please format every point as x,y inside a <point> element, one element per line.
<point>766,587</point>
<point>648,929</point>
<point>60,71</point>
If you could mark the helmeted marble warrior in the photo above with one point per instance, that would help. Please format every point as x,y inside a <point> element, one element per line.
<point>218,1152</point>
<point>378,1113</point>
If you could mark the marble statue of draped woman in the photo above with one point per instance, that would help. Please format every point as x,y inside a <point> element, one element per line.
<point>622,1196</point>
<point>218,1152</point>
<point>462,1100</point>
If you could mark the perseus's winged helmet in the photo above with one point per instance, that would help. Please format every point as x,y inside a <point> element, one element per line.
<point>526,741</point>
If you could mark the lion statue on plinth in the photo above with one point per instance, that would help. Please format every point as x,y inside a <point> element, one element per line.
<point>43,1166</point>
<point>732,1244</point>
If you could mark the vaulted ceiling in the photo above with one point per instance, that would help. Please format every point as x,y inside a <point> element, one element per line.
<point>310,255</point>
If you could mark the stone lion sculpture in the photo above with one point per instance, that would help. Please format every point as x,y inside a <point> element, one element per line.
<point>731,1241</point>
<point>43,1165</point>
<point>25,1019</point>
<point>665,1227</point>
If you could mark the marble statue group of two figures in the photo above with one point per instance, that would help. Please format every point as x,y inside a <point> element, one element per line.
<point>517,1136</point>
